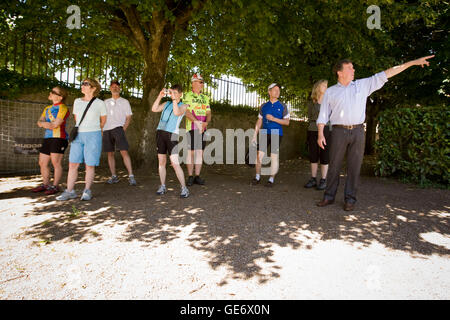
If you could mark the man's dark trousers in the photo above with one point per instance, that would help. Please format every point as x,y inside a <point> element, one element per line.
<point>352,142</point>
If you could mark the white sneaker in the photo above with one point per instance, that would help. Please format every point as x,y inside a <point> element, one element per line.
<point>132,180</point>
<point>162,189</point>
<point>87,195</point>
<point>66,195</point>
<point>112,180</point>
<point>184,192</point>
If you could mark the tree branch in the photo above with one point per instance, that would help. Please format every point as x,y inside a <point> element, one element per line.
<point>133,22</point>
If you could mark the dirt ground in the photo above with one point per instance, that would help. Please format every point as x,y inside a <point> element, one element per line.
<point>228,240</point>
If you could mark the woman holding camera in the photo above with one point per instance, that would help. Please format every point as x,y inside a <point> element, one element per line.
<point>167,134</point>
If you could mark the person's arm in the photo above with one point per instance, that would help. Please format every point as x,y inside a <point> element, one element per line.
<point>103,115</point>
<point>257,128</point>
<point>127,123</point>
<point>283,122</point>
<point>178,109</point>
<point>208,120</point>
<point>52,125</point>
<point>192,118</point>
<point>157,107</point>
<point>400,68</point>
<point>41,122</point>
<point>320,137</point>
<point>102,122</point>
<point>322,119</point>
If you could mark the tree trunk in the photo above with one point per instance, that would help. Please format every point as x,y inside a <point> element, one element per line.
<point>155,65</point>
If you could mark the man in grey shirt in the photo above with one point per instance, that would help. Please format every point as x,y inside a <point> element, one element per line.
<point>344,105</point>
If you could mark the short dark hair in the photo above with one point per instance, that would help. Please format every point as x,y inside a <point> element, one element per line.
<point>338,66</point>
<point>115,82</point>
<point>177,87</point>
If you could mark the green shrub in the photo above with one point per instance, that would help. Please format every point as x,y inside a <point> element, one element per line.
<point>225,107</point>
<point>414,145</point>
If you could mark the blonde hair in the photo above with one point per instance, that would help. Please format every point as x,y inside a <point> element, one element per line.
<point>94,84</point>
<point>315,94</point>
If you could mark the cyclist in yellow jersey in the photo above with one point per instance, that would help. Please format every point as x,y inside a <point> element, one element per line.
<point>198,115</point>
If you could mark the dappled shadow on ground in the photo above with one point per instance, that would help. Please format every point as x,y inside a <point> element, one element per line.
<point>238,226</point>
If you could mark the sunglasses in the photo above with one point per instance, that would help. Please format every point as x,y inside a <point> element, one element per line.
<point>86,84</point>
<point>57,93</point>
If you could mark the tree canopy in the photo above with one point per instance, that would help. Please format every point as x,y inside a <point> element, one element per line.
<point>294,43</point>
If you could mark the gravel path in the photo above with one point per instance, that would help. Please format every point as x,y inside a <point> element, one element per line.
<point>229,240</point>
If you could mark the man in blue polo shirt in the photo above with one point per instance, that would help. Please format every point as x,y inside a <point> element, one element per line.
<point>272,116</point>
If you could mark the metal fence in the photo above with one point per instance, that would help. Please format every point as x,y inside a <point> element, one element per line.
<point>18,130</point>
<point>36,55</point>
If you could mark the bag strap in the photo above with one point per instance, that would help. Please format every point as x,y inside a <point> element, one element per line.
<point>85,110</point>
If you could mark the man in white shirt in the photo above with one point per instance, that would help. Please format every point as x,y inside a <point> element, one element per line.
<point>344,105</point>
<point>118,120</point>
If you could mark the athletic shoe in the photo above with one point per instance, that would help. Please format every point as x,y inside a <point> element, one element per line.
<point>255,181</point>
<point>66,195</point>
<point>184,192</point>
<point>112,180</point>
<point>190,181</point>
<point>51,190</point>
<point>40,188</point>
<point>269,184</point>
<point>311,183</point>
<point>162,189</point>
<point>132,180</point>
<point>87,195</point>
<point>322,184</point>
<point>199,180</point>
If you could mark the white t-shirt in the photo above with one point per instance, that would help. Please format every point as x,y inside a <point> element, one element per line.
<point>117,110</point>
<point>91,121</point>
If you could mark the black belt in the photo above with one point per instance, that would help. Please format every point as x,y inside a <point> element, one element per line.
<point>353,126</point>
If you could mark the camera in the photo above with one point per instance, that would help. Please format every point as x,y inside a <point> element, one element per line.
<point>166,92</point>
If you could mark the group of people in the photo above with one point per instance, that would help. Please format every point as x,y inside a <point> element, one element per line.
<point>101,126</point>
<point>336,116</point>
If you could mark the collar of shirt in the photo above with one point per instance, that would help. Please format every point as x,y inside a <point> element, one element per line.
<point>352,83</point>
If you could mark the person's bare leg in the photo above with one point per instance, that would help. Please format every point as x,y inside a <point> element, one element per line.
<point>112,163</point>
<point>198,161</point>
<point>57,165</point>
<point>127,161</point>
<point>190,162</point>
<point>314,167</point>
<point>324,170</point>
<point>178,170</point>
<point>274,165</point>
<point>72,176</point>
<point>44,161</point>
<point>89,177</point>
<point>258,163</point>
<point>162,160</point>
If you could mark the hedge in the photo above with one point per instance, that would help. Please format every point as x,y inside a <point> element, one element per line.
<point>414,145</point>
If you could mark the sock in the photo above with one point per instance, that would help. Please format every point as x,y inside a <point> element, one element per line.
<point>271,179</point>
<point>131,175</point>
<point>258,176</point>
